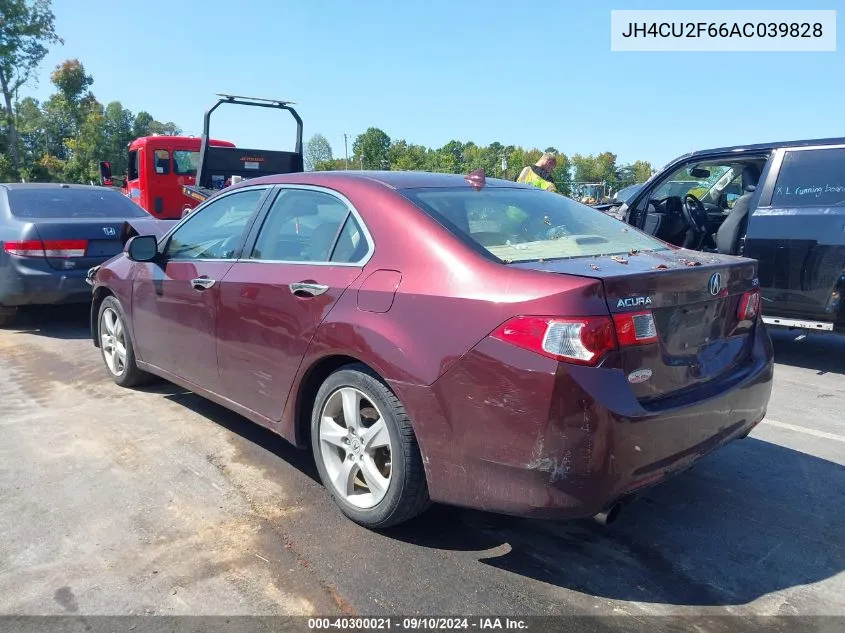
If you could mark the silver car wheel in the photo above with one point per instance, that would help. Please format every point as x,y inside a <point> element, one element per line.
<point>113,341</point>
<point>355,447</point>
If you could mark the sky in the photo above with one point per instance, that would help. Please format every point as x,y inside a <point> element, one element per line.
<point>429,71</point>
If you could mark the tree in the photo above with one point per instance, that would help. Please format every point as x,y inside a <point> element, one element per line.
<point>143,123</point>
<point>165,129</point>
<point>117,134</point>
<point>26,28</point>
<point>72,81</point>
<point>562,174</point>
<point>642,170</point>
<point>146,125</point>
<point>600,168</point>
<point>30,127</point>
<point>317,150</point>
<point>371,147</point>
<point>87,148</point>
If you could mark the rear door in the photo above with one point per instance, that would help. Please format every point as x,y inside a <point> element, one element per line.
<point>797,234</point>
<point>310,246</point>
<point>175,300</point>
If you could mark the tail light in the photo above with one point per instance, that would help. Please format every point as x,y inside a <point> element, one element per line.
<point>749,305</point>
<point>49,248</point>
<point>635,328</point>
<point>582,340</point>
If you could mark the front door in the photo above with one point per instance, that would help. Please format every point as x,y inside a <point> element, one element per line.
<point>175,300</point>
<point>311,246</point>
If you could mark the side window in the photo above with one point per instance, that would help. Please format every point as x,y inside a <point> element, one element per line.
<point>309,226</point>
<point>215,230</point>
<point>161,161</point>
<point>133,165</point>
<point>185,162</point>
<point>811,178</point>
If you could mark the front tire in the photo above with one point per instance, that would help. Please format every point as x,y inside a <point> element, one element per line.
<point>116,346</point>
<point>366,451</point>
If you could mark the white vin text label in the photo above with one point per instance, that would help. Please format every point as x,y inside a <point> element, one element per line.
<point>723,30</point>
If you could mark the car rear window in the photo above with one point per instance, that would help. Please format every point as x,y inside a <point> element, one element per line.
<point>529,224</point>
<point>811,178</point>
<point>57,202</point>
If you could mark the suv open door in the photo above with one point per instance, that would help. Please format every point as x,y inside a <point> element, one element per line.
<point>782,204</point>
<point>219,166</point>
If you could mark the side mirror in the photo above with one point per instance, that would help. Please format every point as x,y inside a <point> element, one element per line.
<point>142,248</point>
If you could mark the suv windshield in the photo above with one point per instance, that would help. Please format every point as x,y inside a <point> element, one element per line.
<point>58,202</point>
<point>529,224</point>
<point>700,180</point>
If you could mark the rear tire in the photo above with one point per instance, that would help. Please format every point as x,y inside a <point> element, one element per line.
<point>371,465</point>
<point>116,346</point>
<point>7,316</point>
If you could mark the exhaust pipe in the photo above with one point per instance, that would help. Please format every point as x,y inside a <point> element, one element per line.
<point>608,516</point>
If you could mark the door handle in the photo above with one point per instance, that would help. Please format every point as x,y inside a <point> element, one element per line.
<point>202,283</point>
<point>305,289</point>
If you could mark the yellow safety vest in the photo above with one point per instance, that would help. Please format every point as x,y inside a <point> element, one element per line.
<point>530,177</point>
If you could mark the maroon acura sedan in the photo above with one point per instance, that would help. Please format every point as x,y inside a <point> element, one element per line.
<point>439,338</point>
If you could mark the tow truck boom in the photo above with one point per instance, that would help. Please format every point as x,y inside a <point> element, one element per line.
<point>217,165</point>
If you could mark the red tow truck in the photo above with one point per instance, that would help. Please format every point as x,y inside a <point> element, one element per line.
<point>170,175</point>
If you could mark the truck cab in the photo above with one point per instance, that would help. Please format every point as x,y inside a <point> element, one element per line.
<point>168,176</point>
<point>159,166</point>
<point>782,204</point>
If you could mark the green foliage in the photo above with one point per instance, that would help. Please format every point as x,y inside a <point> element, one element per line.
<point>65,138</point>
<point>642,170</point>
<point>460,157</point>
<point>317,151</point>
<point>370,149</point>
<point>72,81</point>
<point>26,28</point>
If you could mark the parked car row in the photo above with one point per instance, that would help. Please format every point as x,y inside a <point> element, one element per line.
<point>440,338</point>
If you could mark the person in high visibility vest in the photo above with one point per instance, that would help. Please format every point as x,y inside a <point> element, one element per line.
<point>540,173</point>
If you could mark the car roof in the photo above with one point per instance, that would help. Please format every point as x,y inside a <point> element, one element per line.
<point>12,186</point>
<point>758,147</point>
<point>392,179</point>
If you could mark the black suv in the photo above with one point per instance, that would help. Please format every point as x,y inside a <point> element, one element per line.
<point>782,204</point>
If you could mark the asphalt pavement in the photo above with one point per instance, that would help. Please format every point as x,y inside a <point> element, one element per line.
<point>117,502</point>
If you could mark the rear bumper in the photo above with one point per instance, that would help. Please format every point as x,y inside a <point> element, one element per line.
<point>24,282</point>
<point>510,432</point>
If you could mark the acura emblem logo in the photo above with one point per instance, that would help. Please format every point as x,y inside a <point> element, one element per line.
<point>715,284</point>
<point>109,231</point>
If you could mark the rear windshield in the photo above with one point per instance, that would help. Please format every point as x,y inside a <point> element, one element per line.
<point>56,202</point>
<point>529,224</point>
<point>811,178</point>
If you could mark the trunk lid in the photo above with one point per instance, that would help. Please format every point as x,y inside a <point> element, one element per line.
<point>101,239</point>
<point>699,333</point>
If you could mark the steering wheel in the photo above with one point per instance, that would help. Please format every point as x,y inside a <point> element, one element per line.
<point>696,214</point>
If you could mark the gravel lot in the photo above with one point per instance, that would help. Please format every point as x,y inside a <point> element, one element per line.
<point>116,502</point>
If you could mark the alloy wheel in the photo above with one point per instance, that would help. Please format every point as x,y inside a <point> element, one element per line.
<point>113,341</point>
<point>355,447</point>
